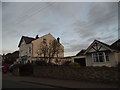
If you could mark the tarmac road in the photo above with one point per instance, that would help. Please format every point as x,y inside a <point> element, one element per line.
<point>17,84</point>
<point>10,81</point>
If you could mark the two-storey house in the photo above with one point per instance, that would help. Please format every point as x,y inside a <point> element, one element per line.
<point>30,48</point>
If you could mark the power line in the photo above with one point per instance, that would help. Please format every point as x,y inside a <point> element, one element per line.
<point>113,32</point>
<point>36,12</point>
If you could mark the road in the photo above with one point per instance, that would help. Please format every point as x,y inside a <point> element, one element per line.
<point>8,82</point>
<point>17,84</point>
<point>11,81</point>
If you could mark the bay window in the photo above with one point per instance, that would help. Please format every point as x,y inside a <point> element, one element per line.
<point>100,57</point>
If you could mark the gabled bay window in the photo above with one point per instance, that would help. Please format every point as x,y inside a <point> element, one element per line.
<point>100,57</point>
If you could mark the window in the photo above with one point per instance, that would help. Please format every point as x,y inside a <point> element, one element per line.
<point>107,57</point>
<point>95,57</point>
<point>100,57</point>
<point>44,41</point>
<point>29,49</point>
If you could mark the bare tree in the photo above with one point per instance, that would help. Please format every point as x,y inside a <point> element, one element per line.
<point>54,49</point>
<point>42,50</point>
<point>51,50</point>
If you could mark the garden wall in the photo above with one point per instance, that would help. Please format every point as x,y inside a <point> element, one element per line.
<point>102,74</point>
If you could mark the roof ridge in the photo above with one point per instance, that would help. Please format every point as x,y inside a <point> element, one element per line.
<point>45,35</point>
<point>115,42</point>
<point>103,42</point>
<point>28,37</point>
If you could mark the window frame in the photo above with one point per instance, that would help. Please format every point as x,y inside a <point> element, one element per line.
<point>96,57</point>
<point>29,50</point>
<point>44,41</point>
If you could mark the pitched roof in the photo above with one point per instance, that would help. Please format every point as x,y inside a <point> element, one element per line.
<point>30,39</point>
<point>104,44</point>
<point>13,54</point>
<point>81,53</point>
<point>116,45</point>
<point>27,40</point>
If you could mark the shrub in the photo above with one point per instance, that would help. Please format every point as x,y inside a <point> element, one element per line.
<point>66,63</point>
<point>74,64</point>
<point>44,63</point>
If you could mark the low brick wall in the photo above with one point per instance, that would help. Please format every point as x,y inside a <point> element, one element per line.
<point>16,72</point>
<point>102,74</point>
<point>23,70</point>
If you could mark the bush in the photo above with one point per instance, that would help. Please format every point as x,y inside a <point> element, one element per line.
<point>66,63</point>
<point>44,63</point>
<point>74,64</point>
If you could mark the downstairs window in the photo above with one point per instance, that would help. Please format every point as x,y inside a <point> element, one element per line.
<point>100,57</point>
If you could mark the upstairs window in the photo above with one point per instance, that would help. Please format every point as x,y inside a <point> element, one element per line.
<point>44,41</point>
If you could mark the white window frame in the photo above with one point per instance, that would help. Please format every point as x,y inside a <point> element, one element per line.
<point>29,50</point>
<point>104,56</point>
<point>98,61</point>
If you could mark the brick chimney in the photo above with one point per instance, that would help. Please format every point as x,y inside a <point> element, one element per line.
<point>36,37</point>
<point>58,39</point>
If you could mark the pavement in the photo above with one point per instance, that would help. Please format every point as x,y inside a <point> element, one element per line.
<point>59,83</point>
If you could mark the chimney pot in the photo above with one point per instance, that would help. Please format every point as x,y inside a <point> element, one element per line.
<point>58,39</point>
<point>36,37</point>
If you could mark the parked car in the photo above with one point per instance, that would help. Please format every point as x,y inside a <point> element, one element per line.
<point>11,67</point>
<point>4,68</point>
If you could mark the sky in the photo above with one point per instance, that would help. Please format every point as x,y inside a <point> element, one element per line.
<point>77,24</point>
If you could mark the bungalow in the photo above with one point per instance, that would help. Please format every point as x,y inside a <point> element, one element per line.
<point>101,54</point>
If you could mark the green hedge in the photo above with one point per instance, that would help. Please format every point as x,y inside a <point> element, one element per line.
<point>74,64</point>
<point>44,63</point>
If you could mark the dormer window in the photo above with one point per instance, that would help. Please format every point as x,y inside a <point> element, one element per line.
<point>44,41</point>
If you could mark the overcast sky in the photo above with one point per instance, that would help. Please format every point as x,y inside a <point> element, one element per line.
<point>76,23</point>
